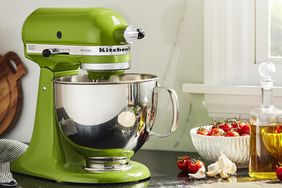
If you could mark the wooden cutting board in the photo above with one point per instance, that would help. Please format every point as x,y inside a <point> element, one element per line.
<point>11,70</point>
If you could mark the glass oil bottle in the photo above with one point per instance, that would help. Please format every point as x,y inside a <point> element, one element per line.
<point>266,130</point>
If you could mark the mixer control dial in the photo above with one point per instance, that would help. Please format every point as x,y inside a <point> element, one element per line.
<point>48,52</point>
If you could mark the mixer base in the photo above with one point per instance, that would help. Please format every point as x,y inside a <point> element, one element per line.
<point>137,173</point>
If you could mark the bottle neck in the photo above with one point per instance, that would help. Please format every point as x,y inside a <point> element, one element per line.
<point>267,94</point>
<point>267,98</point>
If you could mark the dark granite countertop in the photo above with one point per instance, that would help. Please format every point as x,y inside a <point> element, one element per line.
<point>162,165</point>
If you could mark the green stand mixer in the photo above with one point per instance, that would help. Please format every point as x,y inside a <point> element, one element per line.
<point>91,117</point>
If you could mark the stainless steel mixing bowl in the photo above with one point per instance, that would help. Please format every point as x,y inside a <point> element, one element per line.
<point>109,114</point>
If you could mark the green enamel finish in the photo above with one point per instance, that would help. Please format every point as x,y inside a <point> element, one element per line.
<point>84,26</point>
<point>79,26</point>
<point>24,181</point>
<point>65,73</point>
<point>55,62</point>
<point>41,153</point>
<point>51,156</point>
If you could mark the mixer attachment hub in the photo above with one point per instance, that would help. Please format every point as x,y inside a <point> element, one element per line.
<point>107,164</point>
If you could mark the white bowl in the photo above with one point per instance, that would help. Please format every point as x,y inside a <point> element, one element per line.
<point>209,147</point>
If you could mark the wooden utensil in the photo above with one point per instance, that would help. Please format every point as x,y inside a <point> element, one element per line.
<point>11,70</point>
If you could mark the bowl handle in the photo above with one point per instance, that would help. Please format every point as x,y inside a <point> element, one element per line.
<point>175,110</point>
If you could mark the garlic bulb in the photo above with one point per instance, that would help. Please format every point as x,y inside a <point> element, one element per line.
<point>223,166</point>
<point>223,174</point>
<point>213,168</point>
<point>226,164</point>
<point>200,173</point>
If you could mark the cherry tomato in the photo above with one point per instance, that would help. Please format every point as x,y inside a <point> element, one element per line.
<point>182,163</point>
<point>231,134</point>
<point>238,130</point>
<point>200,164</point>
<point>245,129</point>
<point>279,173</point>
<point>202,131</point>
<point>242,123</point>
<point>234,124</point>
<point>226,127</point>
<point>216,124</point>
<point>216,132</point>
<point>194,166</point>
<point>278,129</point>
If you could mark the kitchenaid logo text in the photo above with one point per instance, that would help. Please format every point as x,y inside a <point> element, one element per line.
<point>114,49</point>
<point>79,50</point>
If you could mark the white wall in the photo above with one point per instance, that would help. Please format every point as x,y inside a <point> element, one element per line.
<point>172,49</point>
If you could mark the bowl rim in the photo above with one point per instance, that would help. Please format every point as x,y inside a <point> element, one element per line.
<point>115,79</point>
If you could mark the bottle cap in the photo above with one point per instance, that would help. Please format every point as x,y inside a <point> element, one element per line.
<point>267,71</point>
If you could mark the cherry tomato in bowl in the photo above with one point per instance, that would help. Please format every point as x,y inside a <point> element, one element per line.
<point>245,129</point>
<point>226,127</point>
<point>216,132</point>
<point>202,131</point>
<point>231,134</point>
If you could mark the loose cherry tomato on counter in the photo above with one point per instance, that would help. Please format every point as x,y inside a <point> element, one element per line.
<point>279,173</point>
<point>231,134</point>
<point>189,165</point>
<point>194,166</point>
<point>182,163</point>
<point>202,131</point>
<point>216,132</point>
<point>200,164</point>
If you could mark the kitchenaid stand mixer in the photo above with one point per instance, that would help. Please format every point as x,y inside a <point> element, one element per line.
<point>88,126</point>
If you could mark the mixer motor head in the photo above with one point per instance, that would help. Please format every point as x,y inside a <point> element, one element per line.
<point>94,39</point>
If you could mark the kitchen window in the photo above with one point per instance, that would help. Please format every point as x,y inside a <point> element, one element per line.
<point>269,30</point>
<point>236,36</point>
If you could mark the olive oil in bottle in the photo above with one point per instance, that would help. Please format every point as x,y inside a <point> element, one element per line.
<point>266,137</point>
